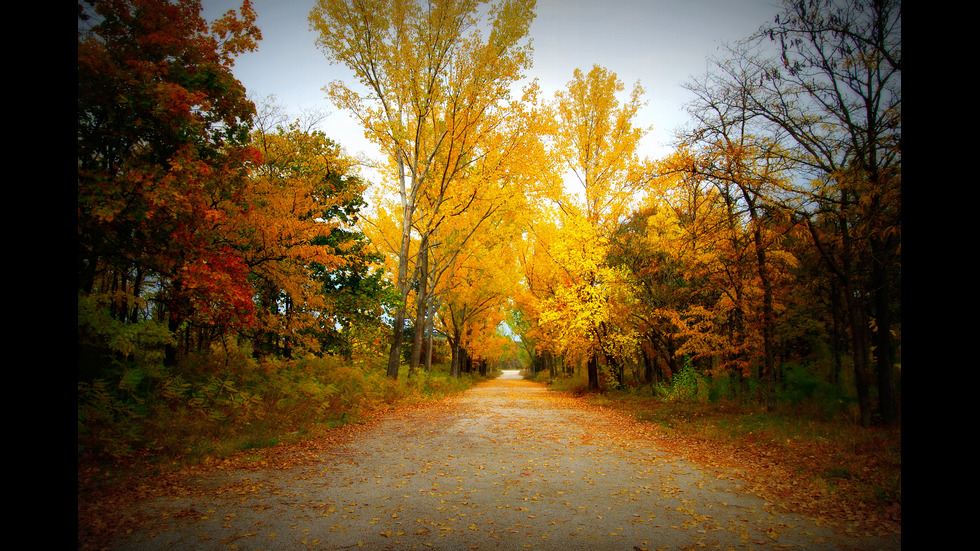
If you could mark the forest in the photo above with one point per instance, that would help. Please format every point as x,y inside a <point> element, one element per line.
<point>236,288</point>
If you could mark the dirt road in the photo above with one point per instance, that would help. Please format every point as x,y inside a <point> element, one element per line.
<point>509,465</point>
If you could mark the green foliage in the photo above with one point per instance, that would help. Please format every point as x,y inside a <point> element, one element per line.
<point>538,377</point>
<point>142,343</point>
<point>104,421</point>
<point>575,383</point>
<point>684,385</point>
<point>358,293</point>
<point>720,388</point>
<point>225,400</point>
<point>803,389</point>
<point>119,364</point>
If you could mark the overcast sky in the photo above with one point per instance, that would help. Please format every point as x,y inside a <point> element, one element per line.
<point>660,43</point>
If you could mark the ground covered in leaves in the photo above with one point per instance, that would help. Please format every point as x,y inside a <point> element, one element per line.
<point>507,465</point>
<point>836,472</point>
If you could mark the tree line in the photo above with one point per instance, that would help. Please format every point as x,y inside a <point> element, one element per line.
<point>770,238</point>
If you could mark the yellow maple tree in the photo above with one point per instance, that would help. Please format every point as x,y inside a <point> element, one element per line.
<point>594,178</point>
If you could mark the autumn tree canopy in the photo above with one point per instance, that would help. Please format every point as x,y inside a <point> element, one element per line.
<point>593,144</point>
<point>822,86</point>
<point>434,80</point>
<point>314,276</point>
<point>163,159</point>
<point>767,243</point>
<point>198,216</point>
<point>771,233</point>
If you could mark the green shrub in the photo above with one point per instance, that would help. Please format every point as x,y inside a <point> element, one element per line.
<point>120,371</point>
<point>801,388</point>
<point>683,386</point>
<point>721,387</point>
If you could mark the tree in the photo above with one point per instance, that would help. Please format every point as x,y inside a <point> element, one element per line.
<point>595,139</point>
<point>163,156</point>
<point>824,82</point>
<point>479,282</point>
<point>750,173</point>
<point>592,137</point>
<point>483,209</point>
<point>657,280</point>
<point>310,265</point>
<point>431,85</point>
<point>584,310</point>
<point>687,267</point>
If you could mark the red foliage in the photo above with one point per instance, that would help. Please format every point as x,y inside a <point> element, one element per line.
<point>217,290</point>
<point>163,152</point>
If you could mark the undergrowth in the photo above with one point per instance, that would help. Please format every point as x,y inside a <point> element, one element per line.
<point>226,401</point>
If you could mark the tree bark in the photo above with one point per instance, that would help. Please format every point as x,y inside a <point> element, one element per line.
<point>593,370</point>
<point>856,314</point>
<point>398,328</point>
<point>887,406</point>
<point>420,302</point>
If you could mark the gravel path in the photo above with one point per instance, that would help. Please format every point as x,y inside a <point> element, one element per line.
<point>509,466</point>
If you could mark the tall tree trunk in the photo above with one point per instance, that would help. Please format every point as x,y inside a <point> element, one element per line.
<point>422,298</point>
<point>394,355</point>
<point>86,273</point>
<point>860,355</point>
<point>593,369</point>
<point>418,332</point>
<point>455,369</point>
<point>649,370</point>
<point>137,289</point>
<point>430,314</point>
<point>837,339</point>
<point>768,315</point>
<point>856,315</point>
<point>887,407</point>
<point>672,365</point>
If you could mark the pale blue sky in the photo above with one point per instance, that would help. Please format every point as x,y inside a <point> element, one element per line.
<point>660,43</point>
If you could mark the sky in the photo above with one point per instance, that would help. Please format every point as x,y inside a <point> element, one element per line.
<point>659,43</point>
